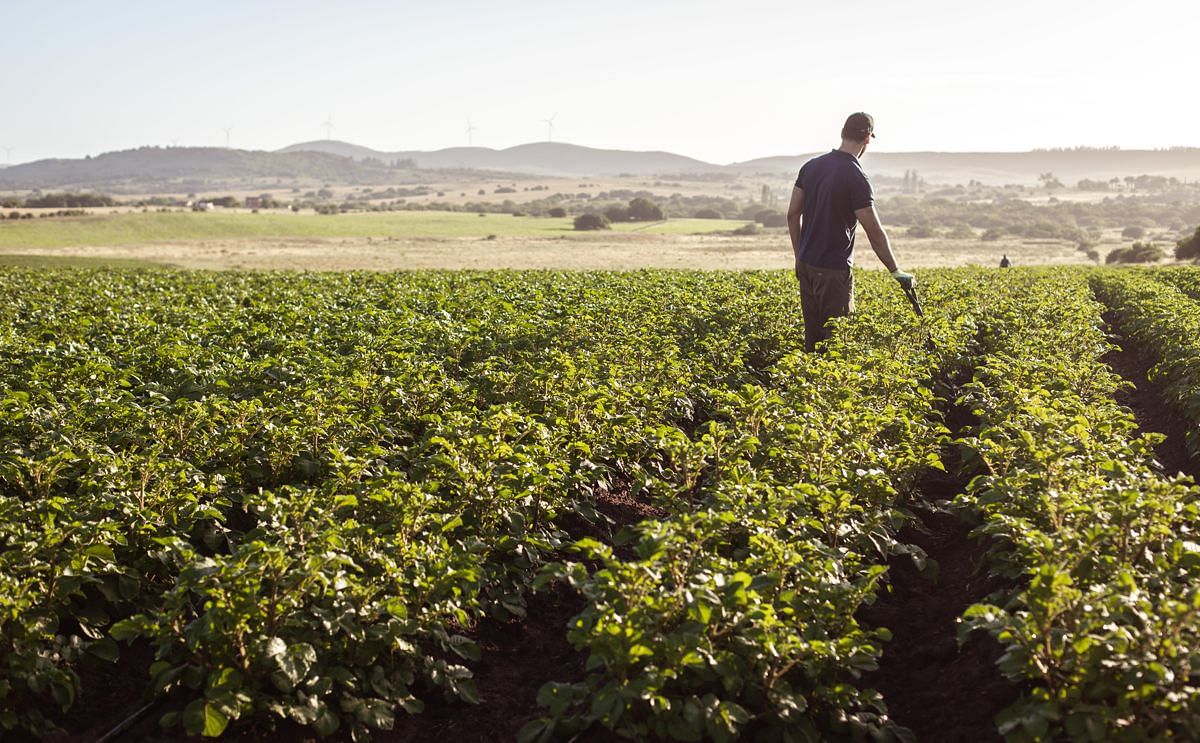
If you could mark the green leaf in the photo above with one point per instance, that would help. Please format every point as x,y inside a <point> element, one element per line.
<point>102,551</point>
<point>378,714</point>
<point>294,665</point>
<point>464,647</point>
<point>536,731</point>
<point>327,722</point>
<point>105,649</point>
<point>127,629</point>
<point>468,692</point>
<point>396,607</point>
<point>202,718</point>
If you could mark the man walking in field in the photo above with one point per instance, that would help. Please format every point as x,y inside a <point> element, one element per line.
<point>832,196</point>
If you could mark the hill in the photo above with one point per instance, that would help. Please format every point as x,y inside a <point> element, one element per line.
<point>1008,167</point>
<point>184,169</point>
<point>539,158</point>
<point>161,169</point>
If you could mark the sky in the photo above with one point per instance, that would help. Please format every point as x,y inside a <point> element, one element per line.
<point>720,81</point>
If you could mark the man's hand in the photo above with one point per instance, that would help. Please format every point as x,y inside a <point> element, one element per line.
<point>907,280</point>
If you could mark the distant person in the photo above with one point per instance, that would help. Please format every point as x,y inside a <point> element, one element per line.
<point>832,196</point>
<point>1004,261</point>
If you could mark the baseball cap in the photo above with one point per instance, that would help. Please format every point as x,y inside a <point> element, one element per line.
<point>858,125</point>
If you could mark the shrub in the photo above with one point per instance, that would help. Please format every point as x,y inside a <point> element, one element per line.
<point>1133,233</point>
<point>69,201</point>
<point>642,209</point>
<point>707,214</point>
<point>591,222</point>
<point>1137,253</point>
<point>992,234</point>
<point>750,228</point>
<point>616,214</point>
<point>770,218</point>
<point>1189,249</point>
<point>557,212</point>
<point>961,232</point>
<point>920,231</point>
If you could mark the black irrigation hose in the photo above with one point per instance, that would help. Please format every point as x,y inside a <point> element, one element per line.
<point>129,722</point>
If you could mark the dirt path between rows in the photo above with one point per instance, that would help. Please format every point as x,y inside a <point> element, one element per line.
<point>1153,415</point>
<point>933,687</point>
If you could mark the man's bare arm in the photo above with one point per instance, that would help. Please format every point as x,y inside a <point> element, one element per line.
<point>869,219</point>
<point>795,211</point>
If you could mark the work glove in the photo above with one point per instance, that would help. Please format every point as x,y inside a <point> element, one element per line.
<point>907,280</point>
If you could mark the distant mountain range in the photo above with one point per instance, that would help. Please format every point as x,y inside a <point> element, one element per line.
<point>540,158</point>
<point>158,169</point>
<point>1000,168</point>
<point>948,167</point>
<point>169,169</point>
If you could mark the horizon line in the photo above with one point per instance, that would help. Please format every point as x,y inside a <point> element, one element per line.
<point>280,150</point>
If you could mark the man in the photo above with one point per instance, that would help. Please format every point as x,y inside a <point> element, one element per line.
<point>1004,261</point>
<point>833,196</point>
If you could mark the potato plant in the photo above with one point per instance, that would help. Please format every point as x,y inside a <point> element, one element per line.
<point>304,492</point>
<point>1101,628</point>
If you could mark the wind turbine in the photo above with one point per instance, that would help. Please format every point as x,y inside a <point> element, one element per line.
<point>8,155</point>
<point>228,130</point>
<point>328,124</point>
<point>471,129</point>
<point>550,127</point>
<point>174,142</point>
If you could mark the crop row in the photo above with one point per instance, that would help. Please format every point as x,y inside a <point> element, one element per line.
<point>1184,278</point>
<point>735,614</point>
<point>1160,313</point>
<point>303,492</point>
<point>1101,627</point>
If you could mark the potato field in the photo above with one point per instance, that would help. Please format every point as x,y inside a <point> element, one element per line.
<point>549,506</point>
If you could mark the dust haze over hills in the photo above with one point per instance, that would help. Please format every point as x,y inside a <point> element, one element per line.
<point>330,161</point>
<point>936,167</point>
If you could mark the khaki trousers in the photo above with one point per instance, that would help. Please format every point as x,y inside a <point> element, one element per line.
<point>825,293</point>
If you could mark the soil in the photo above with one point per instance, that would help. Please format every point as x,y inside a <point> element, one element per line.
<point>518,657</point>
<point>1153,415</point>
<point>621,509</point>
<point>937,689</point>
<point>110,694</point>
<point>933,687</point>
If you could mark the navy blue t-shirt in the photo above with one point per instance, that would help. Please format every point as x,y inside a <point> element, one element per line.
<point>834,187</point>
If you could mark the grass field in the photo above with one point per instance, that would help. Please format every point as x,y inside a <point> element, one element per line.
<point>450,240</point>
<point>72,261</point>
<point>132,229</point>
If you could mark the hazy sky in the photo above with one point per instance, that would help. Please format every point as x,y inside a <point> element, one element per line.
<point>721,81</point>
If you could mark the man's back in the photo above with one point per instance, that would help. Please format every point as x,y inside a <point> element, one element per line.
<point>835,186</point>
